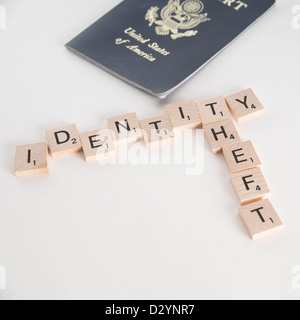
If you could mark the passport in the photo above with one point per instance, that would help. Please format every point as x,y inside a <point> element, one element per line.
<point>157,45</point>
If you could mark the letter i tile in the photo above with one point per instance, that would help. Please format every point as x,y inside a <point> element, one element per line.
<point>184,115</point>
<point>31,159</point>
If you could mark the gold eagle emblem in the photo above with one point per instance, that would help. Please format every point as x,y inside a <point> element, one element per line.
<point>176,16</point>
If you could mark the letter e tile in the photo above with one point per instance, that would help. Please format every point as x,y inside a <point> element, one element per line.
<point>241,156</point>
<point>97,143</point>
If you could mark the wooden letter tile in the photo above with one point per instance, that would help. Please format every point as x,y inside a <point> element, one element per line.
<point>31,159</point>
<point>97,143</point>
<point>260,219</point>
<point>157,129</point>
<point>245,105</point>
<point>213,110</point>
<point>63,141</point>
<point>241,156</point>
<point>221,134</point>
<point>250,185</point>
<point>184,115</point>
<point>125,128</point>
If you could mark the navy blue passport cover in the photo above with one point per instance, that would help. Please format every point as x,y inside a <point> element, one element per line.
<point>156,45</point>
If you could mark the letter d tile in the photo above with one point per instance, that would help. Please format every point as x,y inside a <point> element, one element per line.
<point>64,140</point>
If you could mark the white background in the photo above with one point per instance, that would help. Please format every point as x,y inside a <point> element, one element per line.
<point>141,232</point>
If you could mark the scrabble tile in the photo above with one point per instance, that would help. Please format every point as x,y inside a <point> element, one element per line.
<point>31,159</point>
<point>213,110</point>
<point>125,128</point>
<point>97,144</point>
<point>245,105</point>
<point>157,129</point>
<point>241,156</point>
<point>260,219</point>
<point>184,115</point>
<point>221,134</point>
<point>250,185</point>
<point>64,140</point>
